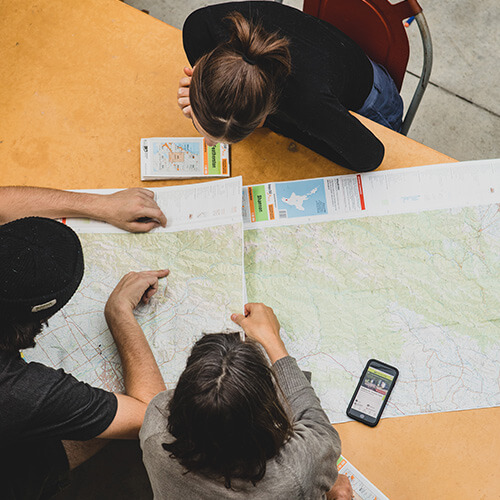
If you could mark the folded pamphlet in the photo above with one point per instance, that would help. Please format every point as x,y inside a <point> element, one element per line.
<point>362,488</point>
<point>182,158</point>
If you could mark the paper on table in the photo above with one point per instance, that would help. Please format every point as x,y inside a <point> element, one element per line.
<point>404,190</point>
<point>362,488</point>
<point>191,206</point>
<point>203,248</point>
<point>182,157</point>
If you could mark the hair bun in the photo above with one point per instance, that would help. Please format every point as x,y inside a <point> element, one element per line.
<point>258,47</point>
<point>237,85</point>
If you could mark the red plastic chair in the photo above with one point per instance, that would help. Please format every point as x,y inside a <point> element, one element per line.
<point>377,27</point>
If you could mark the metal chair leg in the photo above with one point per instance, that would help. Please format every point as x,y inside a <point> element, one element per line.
<point>426,72</point>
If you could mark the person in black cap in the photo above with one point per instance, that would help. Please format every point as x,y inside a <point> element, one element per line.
<point>44,411</point>
<point>132,209</point>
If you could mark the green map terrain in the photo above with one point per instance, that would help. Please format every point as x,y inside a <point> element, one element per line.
<point>204,287</point>
<point>420,291</point>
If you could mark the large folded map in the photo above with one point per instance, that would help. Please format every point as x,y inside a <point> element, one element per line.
<point>403,266</point>
<point>202,247</point>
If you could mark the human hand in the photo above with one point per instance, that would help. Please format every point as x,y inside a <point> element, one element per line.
<point>132,289</point>
<point>183,93</point>
<point>341,490</point>
<point>261,325</point>
<point>134,210</point>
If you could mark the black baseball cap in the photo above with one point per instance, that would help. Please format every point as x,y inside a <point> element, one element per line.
<point>41,267</point>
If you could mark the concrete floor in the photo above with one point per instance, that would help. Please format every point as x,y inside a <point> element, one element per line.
<point>460,112</point>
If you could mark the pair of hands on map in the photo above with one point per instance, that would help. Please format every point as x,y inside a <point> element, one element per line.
<point>259,321</point>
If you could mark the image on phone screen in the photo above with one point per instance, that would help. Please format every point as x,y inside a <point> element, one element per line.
<point>372,392</point>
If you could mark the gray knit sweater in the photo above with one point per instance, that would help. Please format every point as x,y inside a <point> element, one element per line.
<point>305,467</point>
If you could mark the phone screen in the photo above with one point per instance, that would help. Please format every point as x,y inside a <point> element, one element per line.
<point>372,392</point>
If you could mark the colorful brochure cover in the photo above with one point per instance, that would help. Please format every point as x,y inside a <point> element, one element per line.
<point>182,157</point>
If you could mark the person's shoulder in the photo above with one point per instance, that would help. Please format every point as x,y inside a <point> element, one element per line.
<point>56,388</point>
<point>256,10</point>
<point>156,417</point>
<point>207,14</point>
<point>32,373</point>
<point>307,451</point>
<point>309,443</point>
<point>161,399</point>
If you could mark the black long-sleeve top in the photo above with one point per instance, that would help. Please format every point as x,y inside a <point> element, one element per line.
<point>330,75</point>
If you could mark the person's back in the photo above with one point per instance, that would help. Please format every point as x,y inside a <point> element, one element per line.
<point>236,428</point>
<point>267,64</point>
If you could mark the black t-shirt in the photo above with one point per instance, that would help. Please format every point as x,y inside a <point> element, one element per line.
<point>40,403</point>
<point>330,75</point>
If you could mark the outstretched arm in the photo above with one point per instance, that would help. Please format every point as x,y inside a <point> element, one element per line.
<point>313,432</point>
<point>131,209</point>
<point>141,374</point>
<point>323,125</point>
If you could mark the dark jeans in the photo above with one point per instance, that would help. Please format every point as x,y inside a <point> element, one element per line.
<point>383,104</point>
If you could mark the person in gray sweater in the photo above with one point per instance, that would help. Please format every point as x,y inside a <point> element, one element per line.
<point>237,428</point>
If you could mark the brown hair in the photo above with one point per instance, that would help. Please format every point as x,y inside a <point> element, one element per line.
<point>19,334</point>
<point>236,85</point>
<point>225,414</point>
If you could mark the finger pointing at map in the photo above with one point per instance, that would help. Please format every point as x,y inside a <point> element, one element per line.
<point>134,288</point>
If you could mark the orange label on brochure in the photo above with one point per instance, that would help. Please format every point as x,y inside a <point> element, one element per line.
<point>224,166</point>
<point>271,211</point>
<point>205,158</point>
<point>252,206</point>
<point>360,191</point>
<point>341,464</point>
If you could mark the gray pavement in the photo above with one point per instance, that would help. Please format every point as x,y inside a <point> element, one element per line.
<point>460,112</point>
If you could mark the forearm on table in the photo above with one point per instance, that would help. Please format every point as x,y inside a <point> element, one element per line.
<point>142,377</point>
<point>338,136</point>
<point>20,201</point>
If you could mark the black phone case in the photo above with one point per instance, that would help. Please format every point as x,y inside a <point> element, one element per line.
<point>354,417</point>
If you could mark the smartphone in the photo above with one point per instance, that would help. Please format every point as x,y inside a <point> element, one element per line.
<point>373,391</point>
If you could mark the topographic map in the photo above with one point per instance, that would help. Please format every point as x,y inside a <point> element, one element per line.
<point>204,287</point>
<point>402,266</point>
<point>420,291</point>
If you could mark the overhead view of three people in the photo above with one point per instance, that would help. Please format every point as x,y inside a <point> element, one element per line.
<point>243,420</point>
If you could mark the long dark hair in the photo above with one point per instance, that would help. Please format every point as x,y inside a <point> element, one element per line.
<point>236,85</point>
<point>225,414</point>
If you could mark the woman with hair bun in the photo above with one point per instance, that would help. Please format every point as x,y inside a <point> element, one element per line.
<point>267,64</point>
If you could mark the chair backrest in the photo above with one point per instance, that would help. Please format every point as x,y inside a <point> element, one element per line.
<point>375,25</point>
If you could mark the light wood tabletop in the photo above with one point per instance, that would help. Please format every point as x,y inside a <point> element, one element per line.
<point>82,82</point>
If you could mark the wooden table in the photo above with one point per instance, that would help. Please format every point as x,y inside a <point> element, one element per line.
<point>82,82</point>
